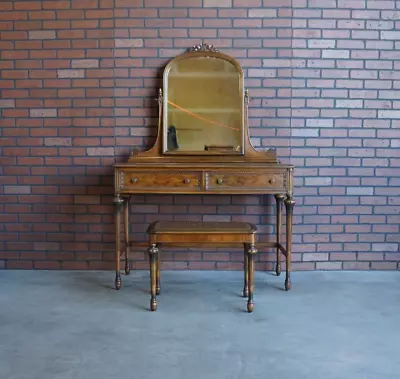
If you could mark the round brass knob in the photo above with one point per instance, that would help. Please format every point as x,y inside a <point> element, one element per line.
<point>134,180</point>
<point>272,181</point>
<point>219,181</point>
<point>186,181</point>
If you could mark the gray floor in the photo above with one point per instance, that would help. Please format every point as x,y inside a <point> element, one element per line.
<point>58,325</point>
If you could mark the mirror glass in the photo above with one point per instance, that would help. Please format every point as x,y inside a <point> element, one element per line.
<point>203,103</point>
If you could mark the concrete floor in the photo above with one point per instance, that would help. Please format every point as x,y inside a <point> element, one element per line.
<point>74,325</point>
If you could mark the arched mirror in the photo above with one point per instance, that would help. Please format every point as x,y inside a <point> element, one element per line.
<point>203,104</point>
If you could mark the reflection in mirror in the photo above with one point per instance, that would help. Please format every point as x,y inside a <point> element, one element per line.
<point>204,107</point>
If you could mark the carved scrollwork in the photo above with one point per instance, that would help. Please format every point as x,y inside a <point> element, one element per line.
<point>271,152</point>
<point>203,47</point>
<point>121,183</point>
<point>160,96</point>
<point>118,200</point>
<point>246,97</point>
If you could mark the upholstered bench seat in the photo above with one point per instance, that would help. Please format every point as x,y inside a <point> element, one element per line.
<point>198,234</point>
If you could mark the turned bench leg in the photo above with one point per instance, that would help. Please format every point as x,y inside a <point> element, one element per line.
<point>153,255</point>
<point>158,286</point>
<point>246,272</point>
<point>251,252</point>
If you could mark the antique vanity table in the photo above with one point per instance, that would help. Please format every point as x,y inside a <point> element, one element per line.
<point>203,147</point>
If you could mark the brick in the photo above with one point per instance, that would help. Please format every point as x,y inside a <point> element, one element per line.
<point>329,265</point>
<point>7,103</point>
<point>21,265</point>
<point>356,265</point>
<point>263,13</point>
<point>17,190</point>
<point>42,34</point>
<point>70,73</point>
<point>45,112</point>
<point>129,42</point>
<point>315,257</point>
<point>391,114</point>
<point>58,141</point>
<point>85,63</point>
<point>384,265</point>
<point>385,247</point>
<point>218,3</point>
<point>100,151</point>
<point>85,4</point>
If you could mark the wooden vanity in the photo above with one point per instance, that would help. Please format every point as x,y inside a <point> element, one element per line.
<point>203,147</point>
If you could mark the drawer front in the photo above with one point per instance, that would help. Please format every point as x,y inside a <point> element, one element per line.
<point>242,181</point>
<point>165,180</point>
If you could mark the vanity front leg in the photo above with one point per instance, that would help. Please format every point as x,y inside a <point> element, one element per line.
<point>251,253</point>
<point>118,201</point>
<point>279,200</point>
<point>126,235</point>
<point>289,204</point>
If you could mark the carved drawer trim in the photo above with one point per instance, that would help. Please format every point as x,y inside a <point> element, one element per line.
<point>162,180</point>
<point>242,181</point>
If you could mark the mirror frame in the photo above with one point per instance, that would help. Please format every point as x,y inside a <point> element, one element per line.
<point>207,51</point>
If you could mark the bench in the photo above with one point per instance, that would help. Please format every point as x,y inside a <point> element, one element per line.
<point>198,234</point>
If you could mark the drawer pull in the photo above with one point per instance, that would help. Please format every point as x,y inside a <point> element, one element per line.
<point>272,181</point>
<point>186,181</point>
<point>134,180</point>
<point>219,181</point>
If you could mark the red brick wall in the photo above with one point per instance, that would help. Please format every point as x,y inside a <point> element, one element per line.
<point>78,82</point>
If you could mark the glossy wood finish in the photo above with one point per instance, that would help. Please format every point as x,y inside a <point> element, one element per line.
<point>160,180</point>
<point>289,204</point>
<point>279,200</point>
<point>206,178</point>
<point>215,171</point>
<point>153,256</point>
<point>251,180</point>
<point>126,235</point>
<point>118,201</point>
<point>204,234</point>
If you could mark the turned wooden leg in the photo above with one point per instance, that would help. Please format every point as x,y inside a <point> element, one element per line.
<point>279,200</point>
<point>118,201</point>
<point>289,204</point>
<point>251,252</point>
<point>246,272</point>
<point>126,234</point>
<point>158,285</point>
<point>153,252</point>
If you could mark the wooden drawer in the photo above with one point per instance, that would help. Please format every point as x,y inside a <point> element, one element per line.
<point>144,180</point>
<point>245,181</point>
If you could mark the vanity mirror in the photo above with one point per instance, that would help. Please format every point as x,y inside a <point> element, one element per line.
<point>203,104</point>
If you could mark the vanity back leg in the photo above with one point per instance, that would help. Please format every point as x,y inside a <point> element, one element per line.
<point>279,200</point>
<point>118,201</point>
<point>246,272</point>
<point>289,204</point>
<point>126,234</point>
